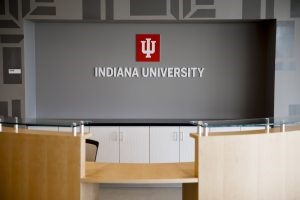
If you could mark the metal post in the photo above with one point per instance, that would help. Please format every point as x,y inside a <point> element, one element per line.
<point>267,125</point>
<point>205,129</point>
<point>16,126</point>
<point>199,128</point>
<point>74,129</point>
<point>0,125</point>
<point>282,127</point>
<point>82,128</point>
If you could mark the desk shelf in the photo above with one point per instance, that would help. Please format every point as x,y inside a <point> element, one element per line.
<point>139,173</point>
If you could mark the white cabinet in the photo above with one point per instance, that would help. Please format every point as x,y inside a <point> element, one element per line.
<point>139,144</point>
<point>224,129</point>
<point>134,144</point>
<point>43,128</point>
<point>108,138</point>
<point>122,144</point>
<point>66,129</point>
<point>164,144</point>
<point>187,144</point>
<point>252,128</point>
<point>171,144</point>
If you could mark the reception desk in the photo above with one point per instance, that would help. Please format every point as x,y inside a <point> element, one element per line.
<point>256,164</point>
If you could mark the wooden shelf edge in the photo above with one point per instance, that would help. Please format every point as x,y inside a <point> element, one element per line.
<point>141,181</point>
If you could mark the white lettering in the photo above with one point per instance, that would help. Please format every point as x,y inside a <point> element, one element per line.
<point>183,72</point>
<point>200,70</point>
<point>176,72</point>
<point>151,72</point>
<point>163,72</point>
<point>101,72</point>
<point>109,72</point>
<point>145,72</point>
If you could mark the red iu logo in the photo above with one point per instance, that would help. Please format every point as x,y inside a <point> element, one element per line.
<point>147,47</point>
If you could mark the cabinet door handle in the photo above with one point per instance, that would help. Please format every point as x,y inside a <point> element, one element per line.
<point>181,136</point>
<point>121,136</point>
<point>175,136</point>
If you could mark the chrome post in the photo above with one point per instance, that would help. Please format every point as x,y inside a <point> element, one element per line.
<point>0,125</point>
<point>74,129</point>
<point>282,127</point>
<point>199,128</point>
<point>267,125</point>
<point>16,126</point>
<point>82,128</point>
<point>205,129</point>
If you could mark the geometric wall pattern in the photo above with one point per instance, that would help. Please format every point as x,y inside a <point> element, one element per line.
<point>14,12</point>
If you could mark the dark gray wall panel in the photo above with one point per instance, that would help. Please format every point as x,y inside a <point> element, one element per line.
<point>109,10</point>
<point>91,9</point>
<point>204,2</point>
<point>8,24</point>
<point>16,108</point>
<point>11,38</point>
<point>186,7</point>
<point>3,108</point>
<point>234,85</point>
<point>148,7</point>
<point>13,8</point>
<point>2,7</point>
<point>25,7</point>
<point>270,9</point>
<point>251,9</point>
<point>204,13</point>
<point>11,60</point>
<point>42,10</point>
<point>295,8</point>
<point>175,8</point>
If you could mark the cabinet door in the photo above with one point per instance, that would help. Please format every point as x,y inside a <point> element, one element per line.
<point>224,129</point>
<point>43,128</point>
<point>108,138</point>
<point>134,144</point>
<point>187,143</point>
<point>164,144</point>
<point>252,128</point>
<point>70,129</point>
<point>66,129</point>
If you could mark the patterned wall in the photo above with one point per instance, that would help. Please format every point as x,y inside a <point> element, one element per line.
<point>14,12</point>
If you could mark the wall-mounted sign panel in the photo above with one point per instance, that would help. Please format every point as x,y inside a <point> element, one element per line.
<point>14,71</point>
<point>207,70</point>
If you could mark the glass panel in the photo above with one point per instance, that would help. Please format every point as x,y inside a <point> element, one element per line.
<point>41,122</point>
<point>255,122</point>
<point>233,123</point>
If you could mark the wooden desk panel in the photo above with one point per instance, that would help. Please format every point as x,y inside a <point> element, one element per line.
<point>39,166</point>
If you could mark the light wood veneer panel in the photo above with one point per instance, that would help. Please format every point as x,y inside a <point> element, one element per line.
<point>39,166</point>
<point>250,166</point>
<point>140,173</point>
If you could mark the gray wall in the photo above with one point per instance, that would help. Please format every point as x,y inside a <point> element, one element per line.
<point>30,75</point>
<point>287,12</point>
<point>238,59</point>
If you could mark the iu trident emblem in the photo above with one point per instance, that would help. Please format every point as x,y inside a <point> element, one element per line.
<point>150,49</point>
<point>147,47</point>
